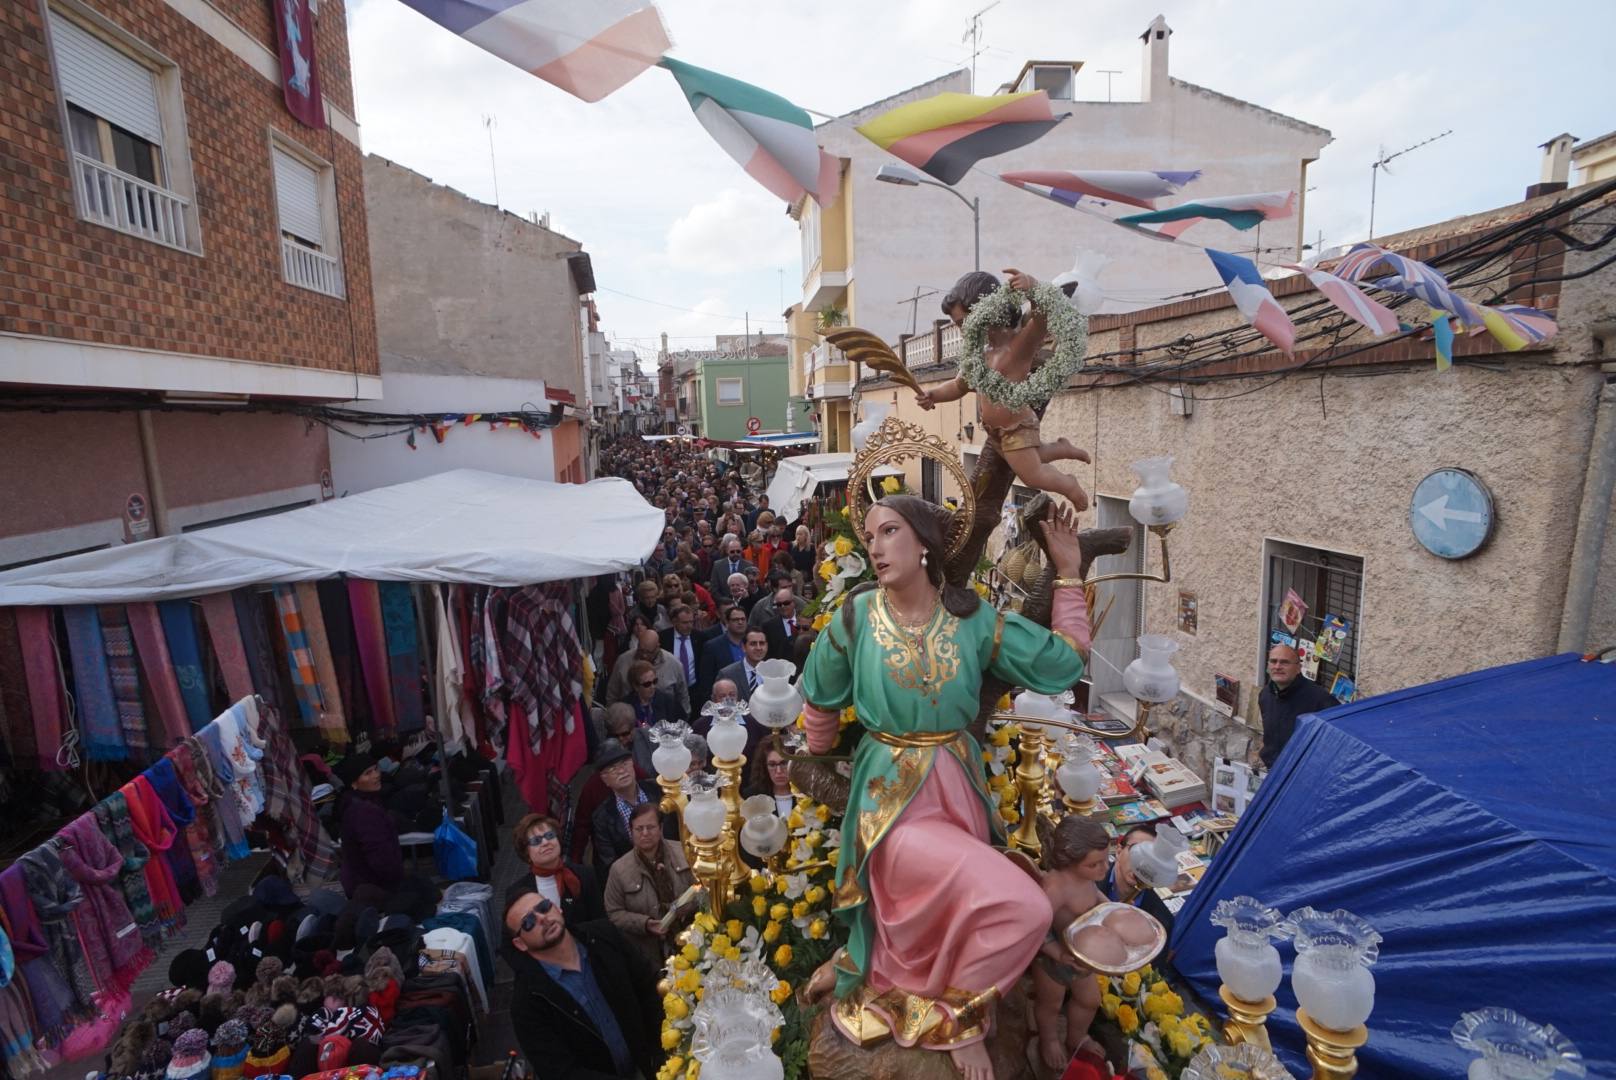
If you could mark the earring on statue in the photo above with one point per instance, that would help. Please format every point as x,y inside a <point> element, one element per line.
<point>922,558</point>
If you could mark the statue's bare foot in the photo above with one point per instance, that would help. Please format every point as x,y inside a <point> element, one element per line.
<point>1052,1048</point>
<point>973,1062</point>
<point>821,983</point>
<point>1062,449</point>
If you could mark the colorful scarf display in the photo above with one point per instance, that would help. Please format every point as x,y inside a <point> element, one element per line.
<point>125,675</point>
<point>48,991</point>
<point>336,614</point>
<point>255,639</point>
<point>92,685</point>
<point>112,814</point>
<point>403,655</point>
<point>333,724</point>
<point>168,781</point>
<point>299,658</point>
<point>287,800</point>
<point>179,629</point>
<point>14,703</point>
<point>371,635</point>
<point>55,895</point>
<point>154,828</point>
<point>219,612</point>
<point>151,646</point>
<point>106,927</point>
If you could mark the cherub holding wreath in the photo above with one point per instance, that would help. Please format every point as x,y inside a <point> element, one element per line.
<point>1001,364</point>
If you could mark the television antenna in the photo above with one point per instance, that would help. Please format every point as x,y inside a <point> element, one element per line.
<point>489,124</point>
<point>973,34</point>
<point>1382,163</point>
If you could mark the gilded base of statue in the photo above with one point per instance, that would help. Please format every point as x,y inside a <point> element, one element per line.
<point>832,1056</point>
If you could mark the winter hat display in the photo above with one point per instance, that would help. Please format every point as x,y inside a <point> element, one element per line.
<point>266,1051</point>
<point>229,1050</point>
<point>190,1060</point>
<point>222,977</point>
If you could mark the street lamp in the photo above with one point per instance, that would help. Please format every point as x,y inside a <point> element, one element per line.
<point>897,174</point>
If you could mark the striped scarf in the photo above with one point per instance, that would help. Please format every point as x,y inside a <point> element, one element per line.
<point>333,725</point>
<point>299,657</point>
<point>125,674</point>
<point>112,814</point>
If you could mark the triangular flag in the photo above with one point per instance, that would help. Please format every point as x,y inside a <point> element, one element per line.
<point>1240,211</point>
<point>1374,316</point>
<point>1252,297</point>
<point>1136,188</point>
<point>772,139</point>
<point>946,134</point>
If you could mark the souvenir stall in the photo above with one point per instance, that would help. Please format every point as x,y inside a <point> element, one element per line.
<point>435,621</point>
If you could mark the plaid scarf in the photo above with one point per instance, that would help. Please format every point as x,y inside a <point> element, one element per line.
<point>55,895</point>
<point>125,674</point>
<point>112,814</point>
<point>203,835</point>
<point>544,662</point>
<point>311,854</point>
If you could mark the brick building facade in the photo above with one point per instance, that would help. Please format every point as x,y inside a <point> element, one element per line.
<point>177,249</point>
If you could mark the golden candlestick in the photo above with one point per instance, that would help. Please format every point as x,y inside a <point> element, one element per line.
<point>1248,1020</point>
<point>1030,775</point>
<point>673,802</point>
<point>730,791</point>
<point>713,871</point>
<point>1083,809</point>
<point>1334,1054</point>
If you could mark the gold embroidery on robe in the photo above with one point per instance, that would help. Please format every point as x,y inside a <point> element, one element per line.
<point>937,662</point>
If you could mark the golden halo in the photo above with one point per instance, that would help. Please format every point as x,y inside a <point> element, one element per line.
<point>898,440</point>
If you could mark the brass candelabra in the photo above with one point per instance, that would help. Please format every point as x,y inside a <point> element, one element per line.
<point>1333,1054</point>
<point>1248,1020</point>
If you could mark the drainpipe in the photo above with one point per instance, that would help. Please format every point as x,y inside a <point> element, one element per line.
<point>154,476</point>
<point>1589,547</point>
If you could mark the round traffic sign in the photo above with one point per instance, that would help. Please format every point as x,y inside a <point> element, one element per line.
<point>753,425</point>
<point>1451,513</point>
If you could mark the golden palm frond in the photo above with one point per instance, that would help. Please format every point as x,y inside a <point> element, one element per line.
<point>863,347</point>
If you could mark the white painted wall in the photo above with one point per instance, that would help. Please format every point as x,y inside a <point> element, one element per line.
<point>909,237</point>
<point>360,466</point>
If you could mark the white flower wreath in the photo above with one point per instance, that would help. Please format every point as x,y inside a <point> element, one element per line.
<point>1069,328</point>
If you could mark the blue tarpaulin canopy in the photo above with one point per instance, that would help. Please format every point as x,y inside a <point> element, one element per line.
<point>1472,822</point>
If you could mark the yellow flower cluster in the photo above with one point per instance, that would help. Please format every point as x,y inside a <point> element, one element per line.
<point>1149,1012</point>
<point>891,485</point>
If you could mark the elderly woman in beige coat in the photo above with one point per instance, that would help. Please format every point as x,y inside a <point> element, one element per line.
<point>645,883</point>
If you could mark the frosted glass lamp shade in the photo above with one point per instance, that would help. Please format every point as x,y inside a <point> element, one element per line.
<point>726,739</point>
<point>1079,780</point>
<point>671,760</point>
<point>704,815</point>
<point>1157,500</point>
<point>1151,677</point>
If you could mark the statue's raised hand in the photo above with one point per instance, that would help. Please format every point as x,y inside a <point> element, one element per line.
<point>1060,539</point>
<point>1020,280</point>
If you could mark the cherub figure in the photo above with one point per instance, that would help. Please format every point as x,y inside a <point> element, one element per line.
<point>1005,402</point>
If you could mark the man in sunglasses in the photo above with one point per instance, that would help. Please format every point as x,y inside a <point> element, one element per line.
<point>585,1005</point>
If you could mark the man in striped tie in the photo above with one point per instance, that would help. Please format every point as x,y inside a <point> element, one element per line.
<point>684,641</point>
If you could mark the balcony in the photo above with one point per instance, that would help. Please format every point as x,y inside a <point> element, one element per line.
<point>131,205</point>
<point>940,345</point>
<point>829,375</point>
<point>310,269</point>
<point>823,286</point>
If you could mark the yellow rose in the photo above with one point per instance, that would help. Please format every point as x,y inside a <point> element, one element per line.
<point>814,896</point>
<point>781,992</point>
<point>705,922</point>
<point>780,882</point>
<point>890,485</point>
<point>794,819</point>
<point>816,929</point>
<point>821,620</point>
<point>822,812</point>
<point>1109,1004</point>
<point>759,883</point>
<point>1182,1043</point>
<point>1130,983</point>
<point>689,981</point>
<point>827,569</point>
<point>1127,1019</point>
<point>690,954</point>
<point>1003,704</point>
<point>732,953</point>
<point>674,1066</point>
<point>1011,817</point>
<point>1105,983</point>
<point>671,1038</point>
<point>981,588</point>
<point>771,932</point>
<point>720,942</point>
<point>799,909</point>
<point>832,856</point>
<point>1000,737</point>
<point>674,1007</point>
<point>780,913</point>
<point>693,1070</point>
<point>782,956</point>
<point>843,546</point>
<point>735,928</point>
<point>680,963</point>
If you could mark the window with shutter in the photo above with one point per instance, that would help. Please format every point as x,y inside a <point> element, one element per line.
<point>106,82</point>
<point>297,197</point>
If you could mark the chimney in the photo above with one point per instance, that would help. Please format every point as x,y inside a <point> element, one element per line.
<point>1153,86</point>
<point>664,342</point>
<point>1556,166</point>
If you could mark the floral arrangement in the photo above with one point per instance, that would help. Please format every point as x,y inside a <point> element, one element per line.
<point>999,762</point>
<point>1069,329</point>
<point>783,920</point>
<point>1161,1037</point>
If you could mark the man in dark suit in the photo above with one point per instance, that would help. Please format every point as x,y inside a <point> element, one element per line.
<point>650,705</point>
<point>684,642</point>
<point>781,629</point>
<point>743,673</point>
<point>730,563</point>
<point>585,1005</point>
<point>723,650</point>
<point>609,823</point>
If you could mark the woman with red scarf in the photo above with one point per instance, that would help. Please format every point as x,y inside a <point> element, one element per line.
<point>571,886</point>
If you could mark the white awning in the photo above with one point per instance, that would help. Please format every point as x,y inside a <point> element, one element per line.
<point>796,478</point>
<point>465,526</point>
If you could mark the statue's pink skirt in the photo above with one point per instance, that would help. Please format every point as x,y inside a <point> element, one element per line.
<point>949,911</point>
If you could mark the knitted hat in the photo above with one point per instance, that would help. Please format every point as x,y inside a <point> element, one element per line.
<point>222,976</point>
<point>191,1058</point>
<point>353,767</point>
<point>231,1037</point>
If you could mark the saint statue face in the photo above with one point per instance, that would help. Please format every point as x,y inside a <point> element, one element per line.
<point>894,547</point>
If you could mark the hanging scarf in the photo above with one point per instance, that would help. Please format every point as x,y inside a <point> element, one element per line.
<point>16,1016</point>
<point>299,657</point>
<point>337,616</point>
<point>47,988</point>
<point>333,725</point>
<point>19,715</point>
<point>92,685</point>
<point>179,629</point>
<point>403,655</point>
<point>112,814</point>
<point>110,934</point>
<point>125,675</point>
<point>43,670</point>
<point>56,895</point>
<point>240,759</point>
<point>154,828</point>
<point>364,599</point>
<point>255,638</point>
<point>470,673</point>
<point>219,612</point>
<point>146,627</point>
<point>566,881</point>
<point>656,868</point>
<point>165,782</point>
<point>311,855</point>
<point>203,837</point>
<point>232,836</point>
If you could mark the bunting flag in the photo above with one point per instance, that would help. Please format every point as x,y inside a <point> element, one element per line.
<point>945,135</point>
<point>1443,333</point>
<point>587,49</point>
<point>1408,277</point>
<point>1135,188</point>
<point>1252,297</point>
<point>1240,211</point>
<point>1374,316</point>
<point>1528,324</point>
<point>772,139</point>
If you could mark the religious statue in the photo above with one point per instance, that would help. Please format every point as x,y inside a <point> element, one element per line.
<point>1001,363</point>
<point>940,924</point>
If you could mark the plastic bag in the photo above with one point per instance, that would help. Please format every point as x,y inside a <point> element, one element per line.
<point>456,853</point>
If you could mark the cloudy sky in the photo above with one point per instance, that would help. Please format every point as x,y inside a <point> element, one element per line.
<point>684,242</point>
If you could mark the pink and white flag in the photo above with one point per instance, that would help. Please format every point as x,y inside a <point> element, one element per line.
<point>1374,316</point>
<point>1251,296</point>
